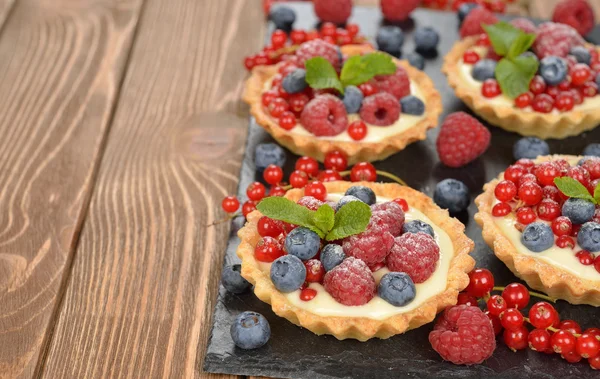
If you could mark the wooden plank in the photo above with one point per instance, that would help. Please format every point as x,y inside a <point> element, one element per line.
<point>141,294</point>
<point>61,63</point>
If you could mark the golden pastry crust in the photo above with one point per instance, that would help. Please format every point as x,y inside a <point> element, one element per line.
<point>362,328</point>
<point>537,273</point>
<point>355,150</point>
<point>527,123</point>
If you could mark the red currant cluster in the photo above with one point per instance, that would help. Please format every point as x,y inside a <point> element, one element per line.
<point>280,48</point>
<point>497,6</point>
<point>549,334</point>
<point>528,189</point>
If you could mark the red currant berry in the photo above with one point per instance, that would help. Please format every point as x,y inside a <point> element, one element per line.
<point>268,96</point>
<point>530,193</point>
<point>466,299</point>
<point>524,100</point>
<point>262,59</point>
<point>548,210</point>
<point>501,210</point>
<point>514,173</point>
<point>546,172</point>
<point>309,165</point>
<point>278,106</point>
<point>298,179</point>
<point>248,207</point>
<point>496,305</point>
<point>273,174</point>
<point>552,193</point>
<point>562,226</point>
<point>277,191</point>
<point>594,362</point>
<point>585,258</point>
<point>577,96</point>
<point>363,171</point>
<point>328,29</point>
<point>316,189</point>
<point>516,339</point>
<point>542,315</point>
<point>368,89</point>
<point>481,282</point>
<point>312,35</point>
<point>594,331</point>
<point>297,102</point>
<point>553,92</point>
<point>471,57</point>
<point>570,326</point>
<point>564,101</point>
<point>329,176</point>
<point>580,73</point>
<point>249,62</point>
<point>580,174</point>
<point>298,36</point>
<point>526,163</point>
<point>267,227</point>
<point>565,85</point>
<point>542,103</point>
<point>402,203</point>
<point>539,340</point>
<point>563,342</point>
<point>496,324</point>
<point>230,204</point>
<point>593,167</point>
<point>335,160</point>
<point>589,89</point>
<point>256,191</point>
<point>575,230</point>
<point>490,88</point>
<point>344,39</point>
<point>537,86</point>
<point>505,190</point>
<point>526,215</point>
<point>329,39</point>
<point>516,295</point>
<point>307,294</point>
<point>511,319</point>
<point>278,39</point>
<point>571,357</point>
<point>483,40</point>
<point>314,271</point>
<point>268,249</point>
<point>565,242</point>
<point>588,345</point>
<point>357,130</point>
<point>527,178</point>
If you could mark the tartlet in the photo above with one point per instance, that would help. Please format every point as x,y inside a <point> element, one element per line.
<point>363,328</point>
<point>539,271</point>
<point>304,143</point>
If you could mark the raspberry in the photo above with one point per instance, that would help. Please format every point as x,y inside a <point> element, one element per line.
<point>318,48</point>
<point>575,13</point>
<point>310,202</point>
<point>415,254</point>
<point>336,11</point>
<point>471,26</point>
<point>370,246</point>
<point>351,282</point>
<point>398,10</point>
<point>463,335</point>
<point>556,39</point>
<point>524,24</point>
<point>462,139</point>
<point>398,84</point>
<point>381,109</point>
<point>324,115</point>
<point>389,215</point>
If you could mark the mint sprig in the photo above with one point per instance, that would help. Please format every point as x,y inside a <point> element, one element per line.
<point>573,188</point>
<point>358,69</point>
<point>514,71</point>
<point>352,218</point>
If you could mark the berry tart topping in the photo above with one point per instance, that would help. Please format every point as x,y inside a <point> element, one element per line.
<point>351,282</point>
<point>415,254</point>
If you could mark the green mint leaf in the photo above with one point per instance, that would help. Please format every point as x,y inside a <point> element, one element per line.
<point>597,193</point>
<point>514,75</point>
<point>360,69</point>
<point>352,218</point>
<point>573,188</point>
<point>280,208</point>
<point>324,218</point>
<point>502,35</point>
<point>520,45</point>
<point>320,74</point>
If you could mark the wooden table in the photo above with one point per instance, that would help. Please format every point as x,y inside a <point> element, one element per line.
<point>121,130</point>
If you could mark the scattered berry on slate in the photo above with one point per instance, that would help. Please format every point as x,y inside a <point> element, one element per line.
<point>554,70</point>
<point>351,282</point>
<point>325,115</point>
<point>537,237</point>
<point>463,335</point>
<point>398,10</point>
<point>283,17</point>
<point>345,200</point>
<point>417,226</point>
<point>426,39</point>
<point>530,148</point>
<point>461,140</point>
<point>331,256</point>
<point>484,69</point>
<point>397,84</point>
<point>288,273</point>
<point>464,9</point>
<point>416,60</point>
<point>578,14</point>
<point>582,54</point>
<point>295,81</point>
<point>233,281</point>
<point>412,105</point>
<point>579,211</point>
<point>381,109</point>
<point>415,254</point>
<point>365,194</point>
<point>452,194</point>
<point>267,154</point>
<point>390,39</point>
<point>318,48</point>
<point>589,237</point>
<point>481,282</point>
<point>352,99</point>
<point>556,39</point>
<point>397,288</point>
<point>250,330</point>
<point>471,25</point>
<point>303,243</point>
<point>593,149</point>
<point>370,246</point>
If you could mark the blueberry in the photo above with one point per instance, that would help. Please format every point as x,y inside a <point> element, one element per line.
<point>416,60</point>
<point>589,237</point>
<point>426,39</point>
<point>584,159</point>
<point>416,226</point>
<point>345,200</point>
<point>581,54</point>
<point>484,69</point>
<point>288,273</point>
<point>365,194</point>
<point>592,150</point>
<point>537,237</point>
<point>303,243</point>
<point>250,330</point>
<point>554,70</point>
<point>529,54</point>
<point>452,194</point>
<point>579,211</point>
<point>390,39</point>
<point>464,10</point>
<point>352,99</point>
<point>331,256</point>
<point>397,288</point>
<point>268,153</point>
<point>412,105</point>
<point>530,148</point>
<point>295,81</point>
<point>283,17</point>
<point>233,281</point>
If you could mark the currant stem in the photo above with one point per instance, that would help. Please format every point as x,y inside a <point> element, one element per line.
<point>385,174</point>
<point>229,217</point>
<point>532,293</point>
<point>550,328</point>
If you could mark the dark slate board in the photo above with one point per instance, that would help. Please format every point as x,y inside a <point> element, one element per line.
<point>293,352</point>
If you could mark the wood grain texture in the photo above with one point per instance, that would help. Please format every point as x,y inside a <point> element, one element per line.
<point>60,67</point>
<point>140,298</point>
